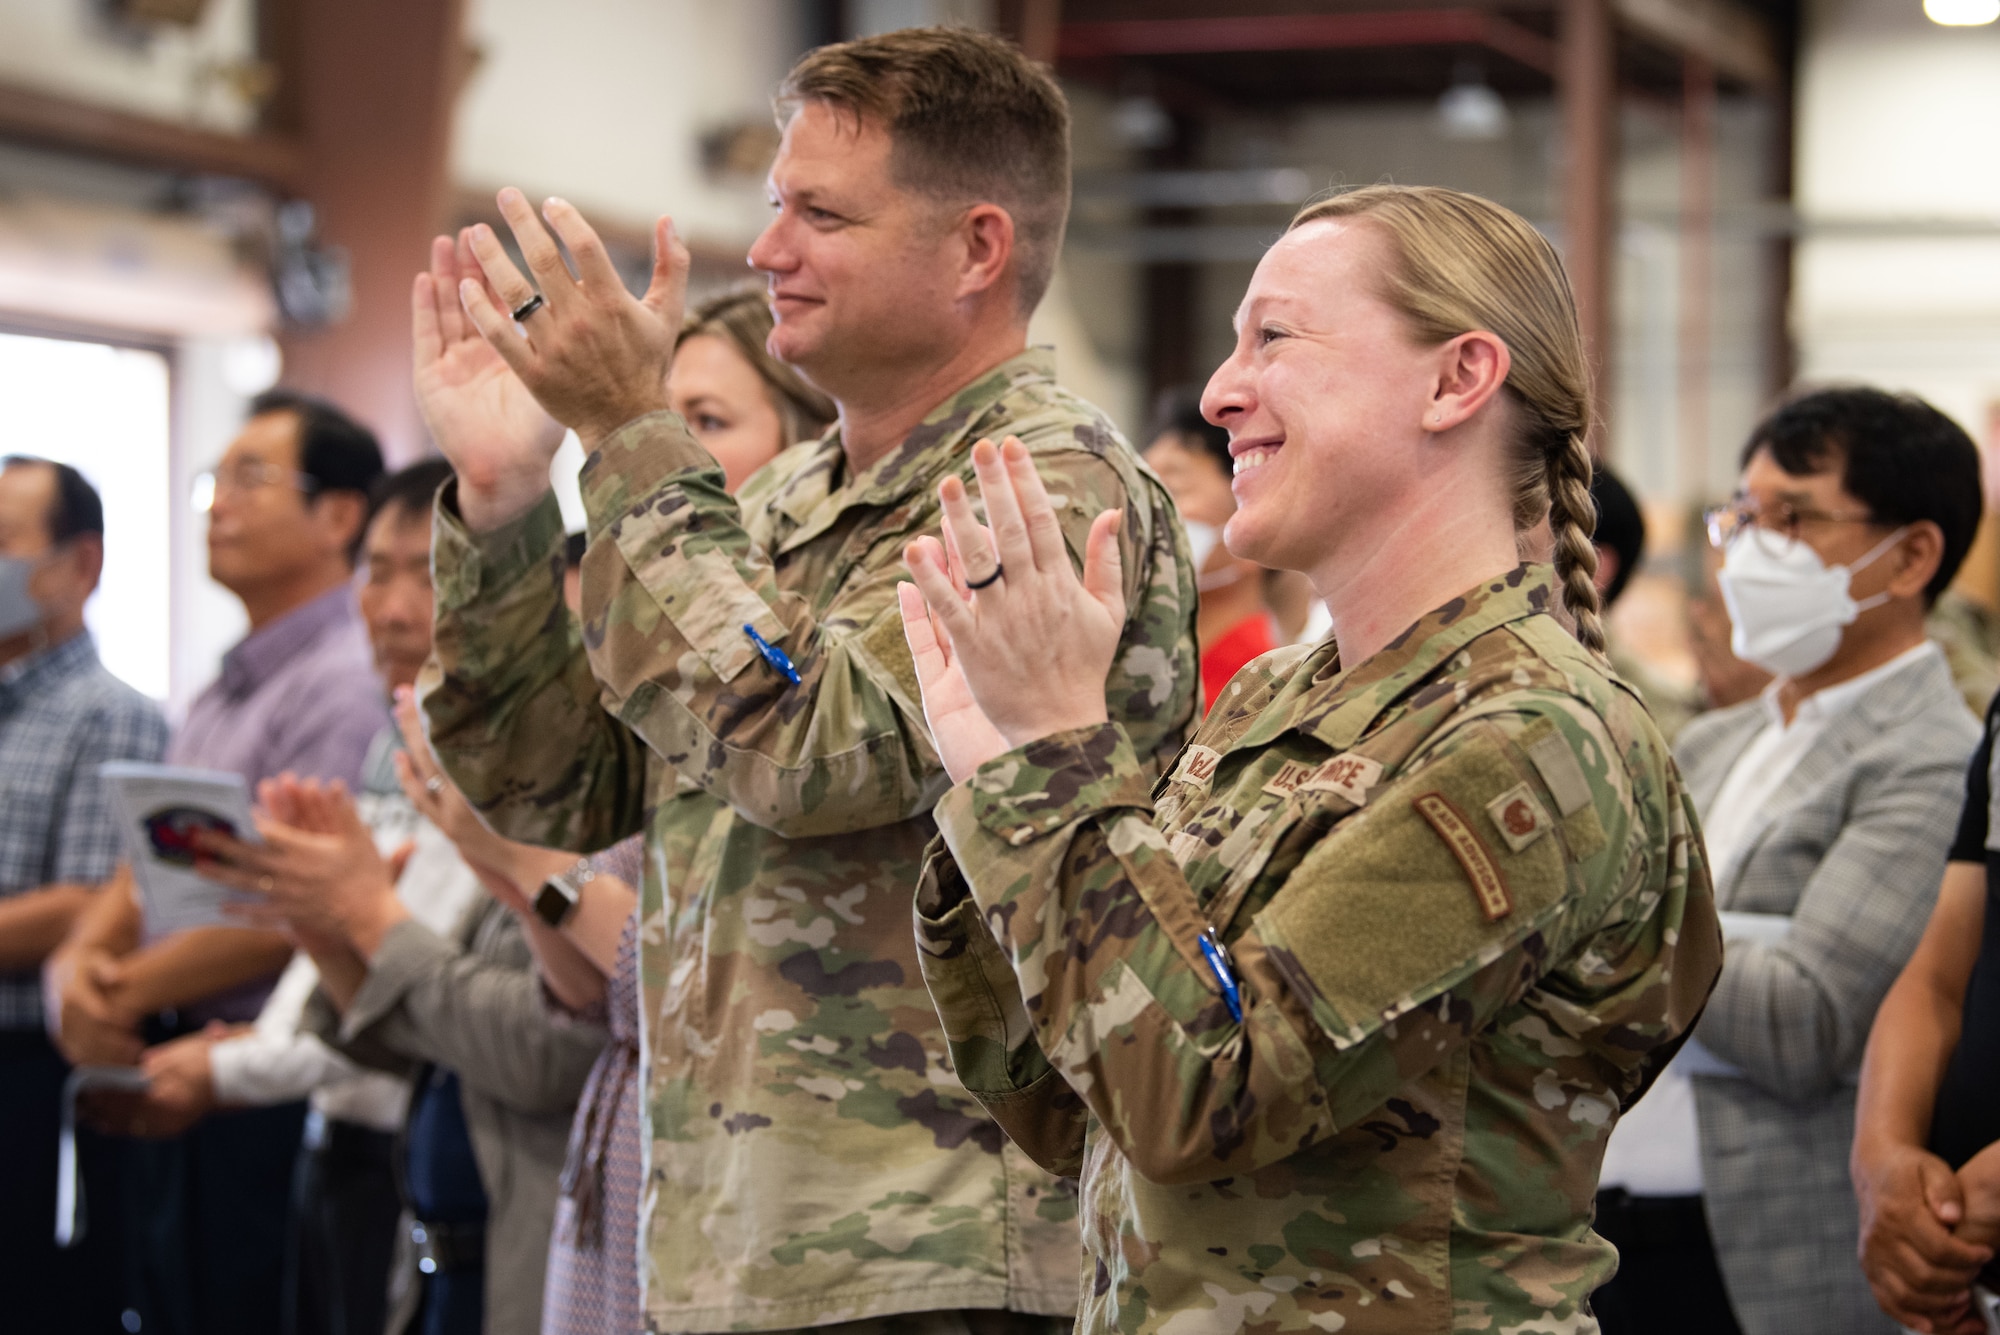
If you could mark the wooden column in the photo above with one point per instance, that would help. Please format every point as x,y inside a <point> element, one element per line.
<point>1587,83</point>
<point>1697,248</point>
<point>372,88</point>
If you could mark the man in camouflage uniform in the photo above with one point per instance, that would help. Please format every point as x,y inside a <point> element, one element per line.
<point>1464,894</point>
<point>740,687</point>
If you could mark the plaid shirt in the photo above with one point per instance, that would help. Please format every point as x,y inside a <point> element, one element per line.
<point>61,716</point>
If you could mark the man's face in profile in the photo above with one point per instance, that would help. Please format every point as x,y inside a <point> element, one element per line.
<point>861,269</point>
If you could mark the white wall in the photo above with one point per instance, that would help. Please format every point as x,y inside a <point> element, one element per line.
<point>1896,125</point>
<point>602,102</point>
<point>177,74</point>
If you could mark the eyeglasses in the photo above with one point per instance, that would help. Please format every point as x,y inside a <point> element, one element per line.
<point>1775,529</point>
<point>246,475</point>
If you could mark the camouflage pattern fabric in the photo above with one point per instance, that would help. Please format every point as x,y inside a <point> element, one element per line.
<point>811,1155</point>
<point>1467,903</point>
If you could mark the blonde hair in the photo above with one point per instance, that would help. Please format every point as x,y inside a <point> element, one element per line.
<point>1462,263</point>
<point>740,317</point>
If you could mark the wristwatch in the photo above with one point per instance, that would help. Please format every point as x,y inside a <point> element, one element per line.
<point>556,900</point>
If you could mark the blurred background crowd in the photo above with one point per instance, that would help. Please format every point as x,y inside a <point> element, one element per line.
<point>210,211</point>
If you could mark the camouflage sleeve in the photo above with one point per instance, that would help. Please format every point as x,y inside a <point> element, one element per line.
<point>1394,940</point>
<point>672,580</point>
<point>508,696</point>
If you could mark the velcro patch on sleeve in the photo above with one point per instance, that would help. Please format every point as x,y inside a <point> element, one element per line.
<point>1518,816</point>
<point>1197,766</point>
<point>1489,883</point>
<point>1560,770</point>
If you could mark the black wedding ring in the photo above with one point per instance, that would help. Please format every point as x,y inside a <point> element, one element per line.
<point>980,584</point>
<point>527,308</point>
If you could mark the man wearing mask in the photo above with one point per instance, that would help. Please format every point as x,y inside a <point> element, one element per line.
<point>740,685</point>
<point>61,716</point>
<point>1828,803</point>
<point>207,1209</point>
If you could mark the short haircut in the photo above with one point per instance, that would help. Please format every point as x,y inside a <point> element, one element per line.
<point>77,508</point>
<point>1620,527</point>
<point>971,120</point>
<point>335,451</point>
<point>1178,414</point>
<point>1903,459</point>
<point>408,491</point>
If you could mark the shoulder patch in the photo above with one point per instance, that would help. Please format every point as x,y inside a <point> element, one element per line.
<point>1489,883</point>
<point>1518,816</point>
<point>1559,769</point>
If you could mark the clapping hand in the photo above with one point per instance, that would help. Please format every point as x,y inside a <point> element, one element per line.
<point>1003,661</point>
<point>317,872</point>
<point>592,354</point>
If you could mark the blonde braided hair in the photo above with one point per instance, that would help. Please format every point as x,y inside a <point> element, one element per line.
<point>1464,263</point>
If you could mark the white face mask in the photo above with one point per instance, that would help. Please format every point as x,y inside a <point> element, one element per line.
<point>18,609</point>
<point>1787,612</point>
<point>1203,539</point>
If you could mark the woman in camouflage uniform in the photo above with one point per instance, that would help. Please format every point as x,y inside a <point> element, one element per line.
<point>1333,1022</point>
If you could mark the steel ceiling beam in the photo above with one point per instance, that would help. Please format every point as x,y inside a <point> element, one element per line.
<point>1310,32</point>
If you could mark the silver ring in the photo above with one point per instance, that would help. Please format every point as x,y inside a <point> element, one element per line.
<point>528,307</point>
<point>434,785</point>
<point>998,570</point>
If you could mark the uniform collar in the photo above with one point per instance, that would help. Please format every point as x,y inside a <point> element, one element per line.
<point>1338,707</point>
<point>813,497</point>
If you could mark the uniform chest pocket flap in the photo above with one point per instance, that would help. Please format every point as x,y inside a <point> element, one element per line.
<point>1446,870</point>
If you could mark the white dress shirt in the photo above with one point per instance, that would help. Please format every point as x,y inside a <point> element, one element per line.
<point>1655,1149</point>
<point>274,1062</point>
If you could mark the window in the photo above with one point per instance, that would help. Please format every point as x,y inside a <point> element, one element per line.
<point>103,410</point>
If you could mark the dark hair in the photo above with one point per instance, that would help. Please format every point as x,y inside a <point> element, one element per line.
<point>1897,455</point>
<point>1620,527</point>
<point>1178,413</point>
<point>335,451</point>
<point>409,490</point>
<point>77,508</point>
<point>970,119</point>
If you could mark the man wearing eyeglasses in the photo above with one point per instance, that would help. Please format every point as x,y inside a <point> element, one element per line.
<point>1828,805</point>
<point>207,1206</point>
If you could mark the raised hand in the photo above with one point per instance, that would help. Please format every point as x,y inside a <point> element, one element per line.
<point>594,355</point>
<point>1023,655</point>
<point>484,419</point>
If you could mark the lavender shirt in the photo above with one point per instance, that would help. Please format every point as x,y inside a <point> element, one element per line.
<point>298,694</point>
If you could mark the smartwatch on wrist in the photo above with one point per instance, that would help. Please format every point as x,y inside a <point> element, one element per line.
<point>556,900</point>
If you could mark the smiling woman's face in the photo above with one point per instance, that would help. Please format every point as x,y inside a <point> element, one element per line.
<point>726,405</point>
<point>1324,397</point>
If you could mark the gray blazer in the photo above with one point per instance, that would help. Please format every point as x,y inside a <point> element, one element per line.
<point>1851,847</point>
<point>474,1004</point>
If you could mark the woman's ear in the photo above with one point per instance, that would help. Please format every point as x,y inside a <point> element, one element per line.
<point>1472,368</point>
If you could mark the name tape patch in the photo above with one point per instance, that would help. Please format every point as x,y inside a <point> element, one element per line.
<point>1288,778</point>
<point>1197,766</point>
<point>1347,776</point>
<point>1518,816</point>
<point>1489,883</point>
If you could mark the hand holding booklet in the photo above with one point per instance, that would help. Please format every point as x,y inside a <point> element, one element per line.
<point>162,809</point>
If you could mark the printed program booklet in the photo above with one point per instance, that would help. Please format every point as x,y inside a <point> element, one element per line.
<point>161,809</point>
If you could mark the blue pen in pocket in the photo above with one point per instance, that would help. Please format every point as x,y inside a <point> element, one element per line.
<point>1218,963</point>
